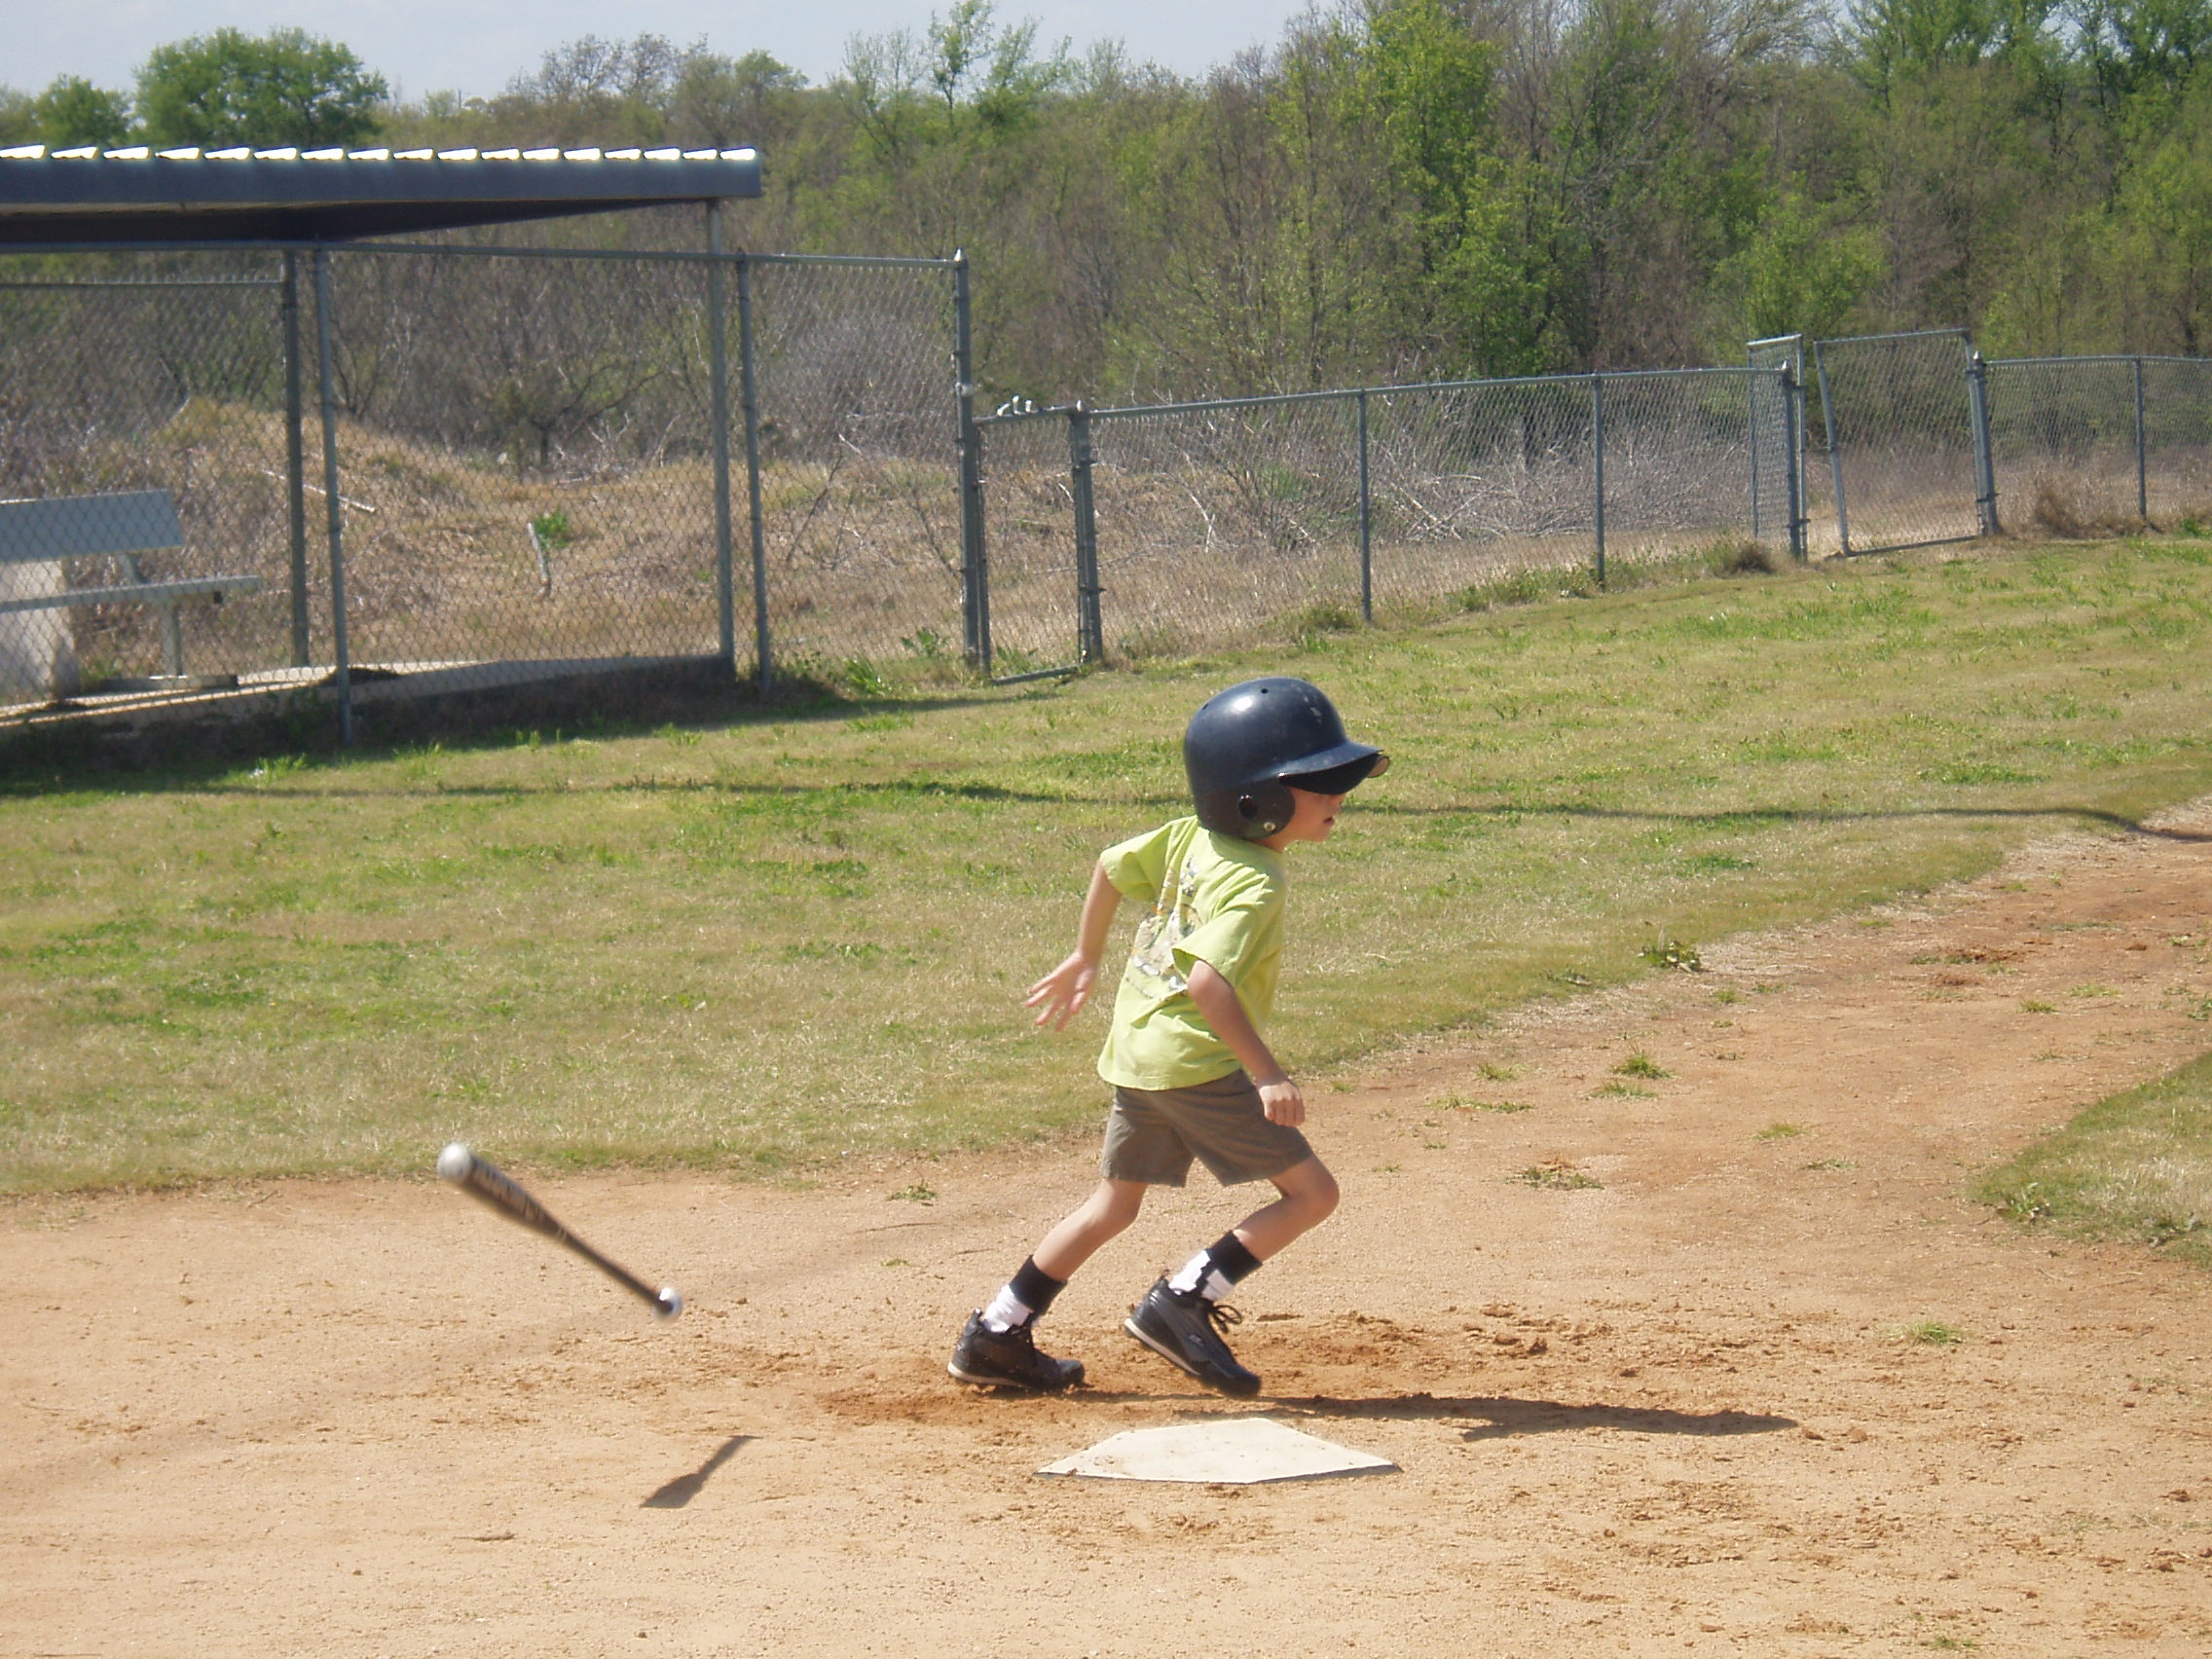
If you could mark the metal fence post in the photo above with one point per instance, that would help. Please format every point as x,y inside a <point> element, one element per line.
<point>324,378</point>
<point>295,460</point>
<point>1801,508</point>
<point>1792,448</point>
<point>2142,454</point>
<point>764,672</point>
<point>1366,523</point>
<point>1090,621</point>
<point>1984,464</point>
<point>1598,466</point>
<point>1835,455</point>
<point>974,578</point>
<point>717,365</point>
<point>1752,429</point>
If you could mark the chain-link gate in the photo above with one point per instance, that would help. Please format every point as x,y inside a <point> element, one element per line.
<point>1900,424</point>
<point>1032,473</point>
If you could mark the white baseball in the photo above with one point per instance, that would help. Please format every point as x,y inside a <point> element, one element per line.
<point>670,1304</point>
<point>453,1161</point>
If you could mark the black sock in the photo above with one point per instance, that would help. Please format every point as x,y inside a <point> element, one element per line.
<point>1025,1296</point>
<point>1215,1269</point>
<point>1035,1287</point>
<point>1231,1260</point>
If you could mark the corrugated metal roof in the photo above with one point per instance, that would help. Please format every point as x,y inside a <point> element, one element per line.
<point>137,195</point>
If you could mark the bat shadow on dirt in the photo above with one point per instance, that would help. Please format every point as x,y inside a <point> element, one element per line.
<point>684,1488</point>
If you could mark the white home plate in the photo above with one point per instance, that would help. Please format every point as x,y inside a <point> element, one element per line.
<point>1219,1451</point>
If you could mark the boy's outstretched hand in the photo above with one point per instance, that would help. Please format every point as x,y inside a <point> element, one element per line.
<point>1058,997</point>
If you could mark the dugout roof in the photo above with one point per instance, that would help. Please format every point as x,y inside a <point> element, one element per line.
<point>143,198</point>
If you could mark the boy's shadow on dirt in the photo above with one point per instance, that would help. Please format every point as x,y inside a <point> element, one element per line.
<point>1503,1416</point>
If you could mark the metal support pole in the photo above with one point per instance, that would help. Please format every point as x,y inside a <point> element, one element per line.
<point>1752,409</point>
<point>1090,621</point>
<point>749,386</point>
<point>717,365</point>
<point>1793,473</point>
<point>1835,455</point>
<point>2142,453</point>
<point>1366,523</point>
<point>1984,463</point>
<point>973,569</point>
<point>329,397</point>
<point>1802,512</point>
<point>295,460</point>
<point>1598,466</point>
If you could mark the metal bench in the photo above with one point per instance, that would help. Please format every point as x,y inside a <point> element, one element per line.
<point>119,526</point>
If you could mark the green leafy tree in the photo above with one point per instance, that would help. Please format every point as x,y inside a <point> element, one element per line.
<point>734,100</point>
<point>2132,45</point>
<point>73,111</point>
<point>2164,213</point>
<point>1807,269</point>
<point>287,87</point>
<point>1424,89</point>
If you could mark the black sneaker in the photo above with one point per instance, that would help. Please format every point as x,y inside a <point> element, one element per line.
<point>1010,1359</point>
<point>1184,1328</point>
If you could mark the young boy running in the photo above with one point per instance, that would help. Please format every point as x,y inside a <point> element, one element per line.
<point>1269,765</point>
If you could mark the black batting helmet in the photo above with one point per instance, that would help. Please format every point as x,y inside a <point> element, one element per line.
<point>1250,744</point>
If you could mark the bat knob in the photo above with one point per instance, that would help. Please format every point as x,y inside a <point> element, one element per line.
<point>454,1162</point>
<point>666,1305</point>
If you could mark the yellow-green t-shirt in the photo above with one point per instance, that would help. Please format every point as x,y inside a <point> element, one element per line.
<point>1214,899</point>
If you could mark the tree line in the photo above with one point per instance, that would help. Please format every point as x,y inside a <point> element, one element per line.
<point>1393,188</point>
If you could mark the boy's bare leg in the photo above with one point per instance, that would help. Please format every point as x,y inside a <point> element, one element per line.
<point>999,1345</point>
<point>1107,1212</point>
<point>1181,1318</point>
<point>1309,1198</point>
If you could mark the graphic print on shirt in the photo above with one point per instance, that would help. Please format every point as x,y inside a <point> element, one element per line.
<point>1174,918</point>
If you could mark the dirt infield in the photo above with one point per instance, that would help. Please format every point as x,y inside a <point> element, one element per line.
<point>1673,1413</point>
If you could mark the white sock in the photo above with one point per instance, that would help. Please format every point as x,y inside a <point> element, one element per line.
<point>1006,1311</point>
<point>1199,1273</point>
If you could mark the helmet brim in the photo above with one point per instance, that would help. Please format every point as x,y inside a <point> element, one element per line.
<point>1337,771</point>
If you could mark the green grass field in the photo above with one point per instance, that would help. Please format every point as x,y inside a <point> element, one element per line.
<point>2136,1167</point>
<point>768,944</point>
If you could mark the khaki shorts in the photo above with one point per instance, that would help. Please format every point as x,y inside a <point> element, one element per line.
<point>1153,1134</point>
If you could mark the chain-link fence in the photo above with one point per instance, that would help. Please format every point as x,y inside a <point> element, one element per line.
<point>2089,445</point>
<point>543,464</point>
<point>130,383</point>
<point>858,423</point>
<point>1212,521</point>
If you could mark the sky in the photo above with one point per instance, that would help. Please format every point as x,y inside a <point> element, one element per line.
<point>474,46</point>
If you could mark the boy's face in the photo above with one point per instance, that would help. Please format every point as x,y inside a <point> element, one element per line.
<point>1312,818</point>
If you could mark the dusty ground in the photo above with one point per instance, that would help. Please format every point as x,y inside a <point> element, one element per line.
<point>1673,1414</point>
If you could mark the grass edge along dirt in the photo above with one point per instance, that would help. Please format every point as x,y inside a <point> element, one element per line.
<point>768,942</point>
<point>2136,1167</point>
